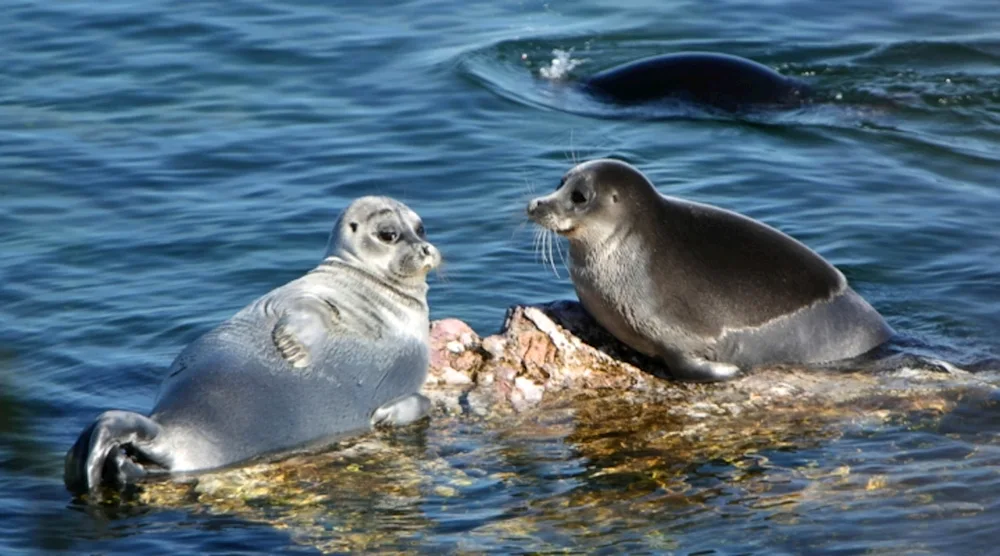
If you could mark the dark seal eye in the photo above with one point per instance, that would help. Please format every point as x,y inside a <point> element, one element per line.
<point>388,236</point>
<point>420,230</point>
<point>577,197</point>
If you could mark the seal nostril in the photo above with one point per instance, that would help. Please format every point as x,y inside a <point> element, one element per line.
<point>533,206</point>
<point>426,250</point>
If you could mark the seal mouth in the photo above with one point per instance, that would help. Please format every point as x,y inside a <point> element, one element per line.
<point>553,223</point>
<point>561,226</point>
<point>430,262</point>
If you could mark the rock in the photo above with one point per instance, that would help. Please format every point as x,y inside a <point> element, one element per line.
<point>494,346</point>
<point>455,351</point>
<point>556,352</point>
<point>454,378</point>
<point>538,354</point>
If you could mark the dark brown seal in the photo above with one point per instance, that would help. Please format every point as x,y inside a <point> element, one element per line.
<point>707,290</point>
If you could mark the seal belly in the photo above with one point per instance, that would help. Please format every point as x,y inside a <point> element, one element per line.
<point>238,403</point>
<point>245,409</point>
<point>843,327</point>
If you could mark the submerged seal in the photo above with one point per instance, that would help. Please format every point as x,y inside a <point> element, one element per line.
<point>712,79</point>
<point>706,290</point>
<point>332,353</point>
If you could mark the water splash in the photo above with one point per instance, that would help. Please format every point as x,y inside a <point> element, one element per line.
<point>561,65</point>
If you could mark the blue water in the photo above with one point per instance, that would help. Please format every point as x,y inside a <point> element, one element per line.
<point>164,163</point>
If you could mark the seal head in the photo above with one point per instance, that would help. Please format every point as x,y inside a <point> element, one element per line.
<point>385,236</point>
<point>713,79</point>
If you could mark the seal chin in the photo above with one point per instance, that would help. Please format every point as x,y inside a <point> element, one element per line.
<point>419,266</point>
<point>426,268</point>
<point>566,230</point>
<point>561,226</point>
<point>430,265</point>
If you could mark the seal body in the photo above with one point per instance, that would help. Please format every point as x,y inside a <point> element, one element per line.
<point>712,79</point>
<point>706,290</point>
<point>330,354</point>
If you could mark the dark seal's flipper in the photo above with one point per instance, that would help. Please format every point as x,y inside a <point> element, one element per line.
<point>402,412</point>
<point>696,369</point>
<point>112,451</point>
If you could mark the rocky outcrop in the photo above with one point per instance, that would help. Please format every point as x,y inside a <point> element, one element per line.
<point>533,359</point>
<point>555,352</point>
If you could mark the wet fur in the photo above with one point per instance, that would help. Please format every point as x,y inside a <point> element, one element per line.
<point>712,79</point>
<point>705,289</point>
<point>327,355</point>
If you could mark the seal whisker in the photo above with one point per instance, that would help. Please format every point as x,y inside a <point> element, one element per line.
<point>518,214</point>
<point>562,257</point>
<point>442,273</point>
<point>544,246</point>
<point>549,238</point>
<point>540,247</point>
<point>539,242</point>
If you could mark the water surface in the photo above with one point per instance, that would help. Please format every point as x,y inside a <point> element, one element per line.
<point>164,163</point>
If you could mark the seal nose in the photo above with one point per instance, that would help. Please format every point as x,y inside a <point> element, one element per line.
<point>431,256</point>
<point>532,207</point>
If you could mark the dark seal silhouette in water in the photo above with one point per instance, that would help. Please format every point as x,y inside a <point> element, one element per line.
<point>711,79</point>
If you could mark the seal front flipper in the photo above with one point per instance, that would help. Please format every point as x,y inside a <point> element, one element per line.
<point>696,369</point>
<point>401,412</point>
<point>112,450</point>
<point>303,328</point>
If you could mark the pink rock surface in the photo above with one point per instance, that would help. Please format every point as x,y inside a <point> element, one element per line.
<point>531,358</point>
